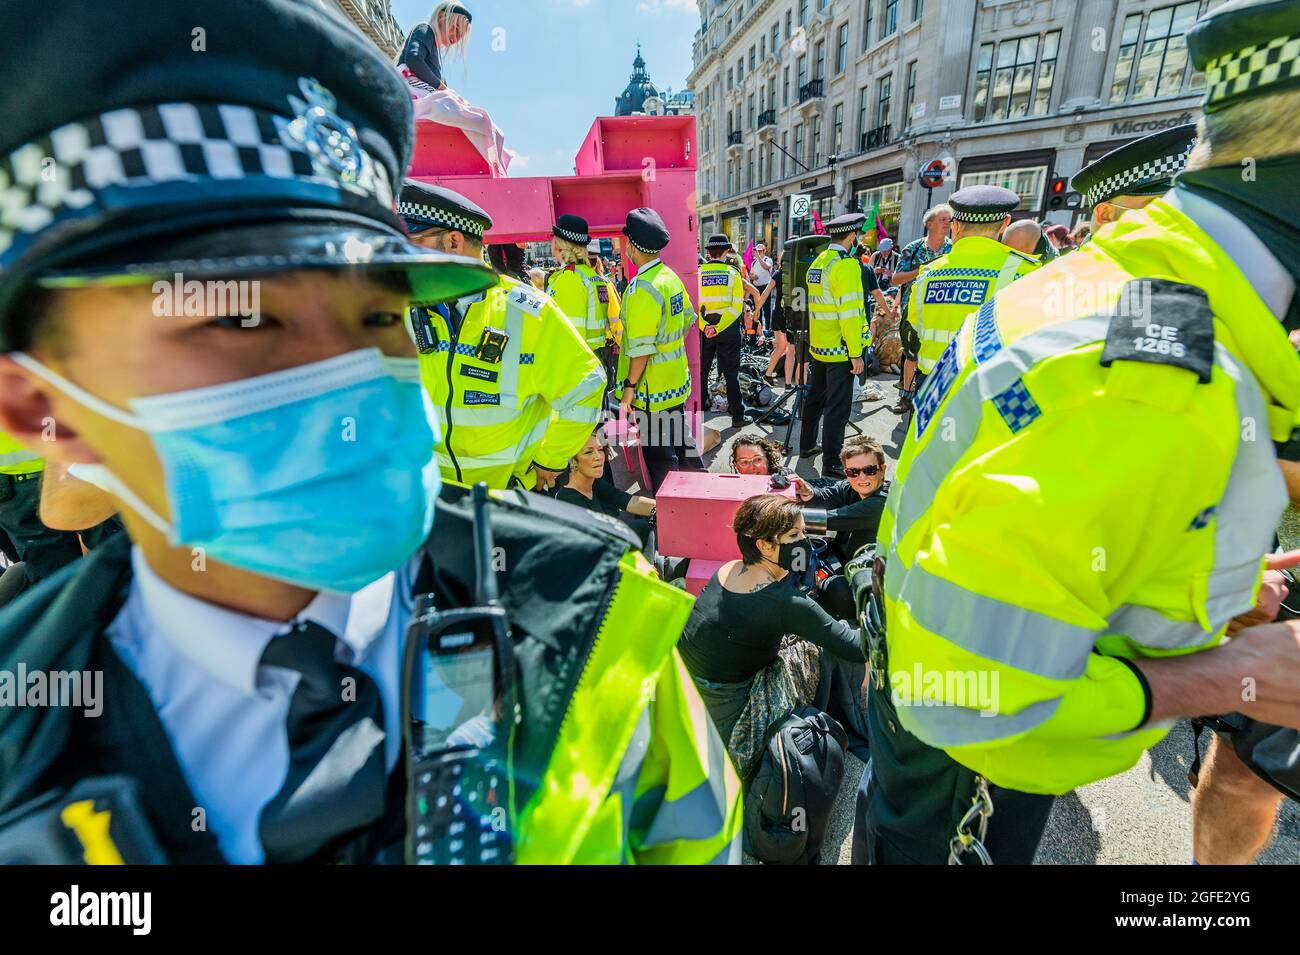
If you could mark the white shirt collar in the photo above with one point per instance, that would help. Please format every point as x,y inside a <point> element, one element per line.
<point>648,266</point>
<point>229,644</point>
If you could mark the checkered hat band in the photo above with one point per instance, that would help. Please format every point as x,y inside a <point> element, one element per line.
<point>643,249</point>
<point>238,150</point>
<point>576,237</point>
<point>440,218</point>
<point>843,229</point>
<point>1118,184</point>
<point>1252,68</point>
<point>979,216</point>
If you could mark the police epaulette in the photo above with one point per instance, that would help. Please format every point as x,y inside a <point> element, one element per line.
<point>1163,323</point>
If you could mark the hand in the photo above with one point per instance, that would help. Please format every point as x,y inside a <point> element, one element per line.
<point>802,489</point>
<point>625,403</point>
<point>710,331</point>
<point>856,366</point>
<point>1269,658</point>
<point>545,477</point>
<point>1272,591</point>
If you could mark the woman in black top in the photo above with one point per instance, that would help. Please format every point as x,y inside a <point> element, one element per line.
<point>585,488</point>
<point>447,28</point>
<point>749,605</point>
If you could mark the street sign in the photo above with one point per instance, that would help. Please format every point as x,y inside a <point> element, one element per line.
<point>800,205</point>
<point>931,175</point>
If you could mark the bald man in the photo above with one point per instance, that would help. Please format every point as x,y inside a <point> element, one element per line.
<point>1022,235</point>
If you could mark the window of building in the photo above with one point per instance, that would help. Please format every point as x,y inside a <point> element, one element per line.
<point>864,98</point>
<point>751,111</point>
<point>890,22</point>
<point>909,95</point>
<point>798,144</point>
<point>762,48</point>
<point>740,71</point>
<point>1027,182</point>
<point>753,59</point>
<point>776,37</point>
<point>785,155</point>
<point>821,4</point>
<point>771,93</point>
<point>749,169</point>
<point>842,49</point>
<point>868,15</point>
<point>1018,80</point>
<point>821,61</point>
<point>1153,61</point>
<point>816,145</point>
<point>803,13</point>
<point>882,100</point>
<point>801,72</point>
<point>789,23</point>
<point>888,199</point>
<point>729,78</point>
<point>785,86</point>
<point>917,6</point>
<point>837,130</point>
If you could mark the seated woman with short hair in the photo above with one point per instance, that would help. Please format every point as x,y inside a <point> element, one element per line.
<point>746,609</point>
<point>585,488</point>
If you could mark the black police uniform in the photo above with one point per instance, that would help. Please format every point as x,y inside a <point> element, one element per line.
<point>830,385</point>
<point>725,347</point>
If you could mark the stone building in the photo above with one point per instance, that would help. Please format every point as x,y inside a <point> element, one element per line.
<point>846,100</point>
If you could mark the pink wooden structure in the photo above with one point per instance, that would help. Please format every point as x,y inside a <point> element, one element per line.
<point>625,162</point>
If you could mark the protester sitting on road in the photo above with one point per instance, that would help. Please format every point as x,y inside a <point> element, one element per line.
<point>749,605</point>
<point>586,489</point>
<point>750,455</point>
<point>853,507</point>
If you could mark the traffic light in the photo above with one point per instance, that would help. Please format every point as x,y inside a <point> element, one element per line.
<point>1057,191</point>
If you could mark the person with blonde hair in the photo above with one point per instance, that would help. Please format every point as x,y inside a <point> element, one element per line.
<point>447,29</point>
<point>584,295</point>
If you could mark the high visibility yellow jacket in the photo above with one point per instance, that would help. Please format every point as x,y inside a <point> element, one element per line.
<point>836,306</point>
<point>656,313</point>
<point>16,459</point>
<point>538,404</point>
<point>587,299</point>
<point>954,285</point>
<point>722,292</point>
<point>1075,491</point>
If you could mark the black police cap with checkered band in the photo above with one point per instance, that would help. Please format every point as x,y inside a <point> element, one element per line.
<point>1145,167</point>
<point>572,229</point>
<point>1246,48</point>
<point>718,240</point>
<point>645,229</point>
<point>982,204</point>
<point>849,222</point>
<point>424,206</point>
<point>270,127</point>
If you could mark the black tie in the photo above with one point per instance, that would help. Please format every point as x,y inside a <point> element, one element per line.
<point>335,727</point>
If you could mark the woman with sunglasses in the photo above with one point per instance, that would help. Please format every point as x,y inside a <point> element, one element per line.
<point>853,508</point>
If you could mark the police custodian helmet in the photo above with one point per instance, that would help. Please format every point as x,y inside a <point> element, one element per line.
<point>245,137</point>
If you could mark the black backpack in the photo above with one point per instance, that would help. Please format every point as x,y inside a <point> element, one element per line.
<point>789,800</point>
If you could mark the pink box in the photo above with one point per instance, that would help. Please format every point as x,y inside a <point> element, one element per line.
<point>694,511</point>
<point>699,573</point>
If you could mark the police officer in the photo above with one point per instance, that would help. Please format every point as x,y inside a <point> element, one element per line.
<point>977,268</point>
<point>516,389</point>
<point>837,323</point>
<point>656,379</point>
<point>1131,176</point>
<point>276,474</point>
<point>585,296</point>
<point>722,312</point>
<point>1043,535</point>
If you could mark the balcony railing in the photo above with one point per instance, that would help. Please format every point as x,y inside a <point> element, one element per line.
<point>810,90</point>
<point>875,138</point>
<point>767,118</point>
<point>734,138</point>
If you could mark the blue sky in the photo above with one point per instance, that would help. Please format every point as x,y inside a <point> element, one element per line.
<point>562,64</point>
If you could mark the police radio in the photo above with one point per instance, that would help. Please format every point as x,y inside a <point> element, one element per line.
<point>461,708</point>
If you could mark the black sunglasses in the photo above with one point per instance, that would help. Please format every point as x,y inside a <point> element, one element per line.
<point>870,470</point>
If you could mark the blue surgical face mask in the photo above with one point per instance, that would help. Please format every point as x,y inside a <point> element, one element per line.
<point>321,475</point>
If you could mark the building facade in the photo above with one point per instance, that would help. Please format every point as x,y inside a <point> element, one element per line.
<point>375,19</point>
<point>845,100</point>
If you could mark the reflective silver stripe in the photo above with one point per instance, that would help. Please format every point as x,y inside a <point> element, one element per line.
<point>18,457</point>
<point>948,726</point>
<point>938,334</point>
<point>935,460</point>
<point>669,338</point>
<point>509,389</point>
<point>1007,275</point>
<point>991,629</point>
<point>571,406</point>
<point>1251,504</point>
<point>698,814</point>
<point>628,773</point>
<point>1266,275</point>
<point>642,286</point>
<point>1151,628</point>
<point>662,356</point>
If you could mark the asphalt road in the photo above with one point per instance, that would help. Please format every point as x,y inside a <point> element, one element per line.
<point>1139,817</point>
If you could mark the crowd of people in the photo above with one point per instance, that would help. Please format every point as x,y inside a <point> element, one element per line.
<point>235,515</point>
